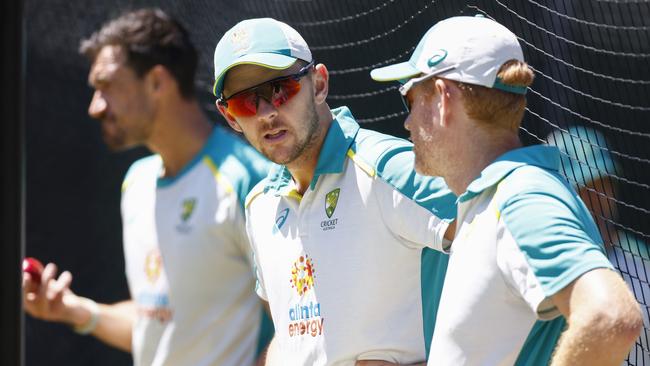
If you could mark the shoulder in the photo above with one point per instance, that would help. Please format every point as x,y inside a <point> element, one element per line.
<point>145,168</point>
<point>256,192</point>
<point>381,151</point>
<point>391,160</point>
<point>541,210</point>
<point>236,162</point>
<point>531,181</point>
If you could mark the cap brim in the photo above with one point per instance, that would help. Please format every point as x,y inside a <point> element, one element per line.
<point>269,60</point>
<point>400,71</point>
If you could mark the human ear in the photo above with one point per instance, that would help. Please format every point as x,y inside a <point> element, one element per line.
<point>321,83</point>
<point>158,80</point>
<point>444,91</point>
<point>232,122</point>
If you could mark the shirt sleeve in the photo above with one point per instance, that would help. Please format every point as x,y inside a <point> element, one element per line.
<point>416,208</point>
<point>546,240</point>
<point>406,218</point>
<point>260,288</point>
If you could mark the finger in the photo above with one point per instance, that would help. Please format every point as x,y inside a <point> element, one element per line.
<point>29,285</point>
<point>61,285</point>
<point>49,273</point>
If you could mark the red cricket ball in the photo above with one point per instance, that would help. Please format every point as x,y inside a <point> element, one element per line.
<point>34,267</point>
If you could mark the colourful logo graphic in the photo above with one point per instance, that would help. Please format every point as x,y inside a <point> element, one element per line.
<point>331,199</point>
<point>188,208</point>
<point>302,274</point>
<point>153,265</point>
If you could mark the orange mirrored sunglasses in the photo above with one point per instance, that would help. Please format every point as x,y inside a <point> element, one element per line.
<point>275,91</point>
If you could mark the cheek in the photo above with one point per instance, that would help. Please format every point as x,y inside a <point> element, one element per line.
<point>423,134</point>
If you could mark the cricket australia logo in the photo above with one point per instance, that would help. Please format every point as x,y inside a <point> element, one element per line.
<point>331,199</point>
<point>330,202</point>
<point>187,209</point>
<point>240,40</point>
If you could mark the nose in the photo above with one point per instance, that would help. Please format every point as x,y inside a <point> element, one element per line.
<point>98,105</point>
<point>407,124</point>
<point>266,111</point>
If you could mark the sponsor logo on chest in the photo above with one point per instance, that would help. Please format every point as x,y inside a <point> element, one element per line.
<point>331,199</point>
<point>187,210</point>
<point>305,317</point>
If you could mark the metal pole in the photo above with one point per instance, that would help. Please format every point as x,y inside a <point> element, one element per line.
<point>12,182</point>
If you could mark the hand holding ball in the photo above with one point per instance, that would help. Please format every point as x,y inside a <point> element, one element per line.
<point>34,267</point>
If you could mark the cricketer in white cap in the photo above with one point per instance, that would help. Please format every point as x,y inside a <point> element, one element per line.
<point>528,281</point>
<point>339,225</point>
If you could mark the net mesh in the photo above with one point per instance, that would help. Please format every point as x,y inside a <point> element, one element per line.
<point>589,98</point>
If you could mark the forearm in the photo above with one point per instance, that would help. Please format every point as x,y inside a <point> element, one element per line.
<point>114,321</point>
<point>595,344</point>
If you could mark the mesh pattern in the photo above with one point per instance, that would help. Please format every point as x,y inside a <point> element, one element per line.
<point>590,95</point>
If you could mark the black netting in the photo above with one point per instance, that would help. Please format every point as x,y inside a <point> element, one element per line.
<point>590,95</point>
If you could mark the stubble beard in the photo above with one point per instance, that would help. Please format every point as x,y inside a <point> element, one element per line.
<point>305,143</point>
<point>425,161</point>
<point>114,137</point>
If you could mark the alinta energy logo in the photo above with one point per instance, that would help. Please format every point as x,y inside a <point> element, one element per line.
<point>302,275</point>
<point>153,265</point>
<point>305,319</point>
<point>153,303</point>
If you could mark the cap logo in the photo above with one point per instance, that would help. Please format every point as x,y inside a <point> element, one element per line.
<point>437,57</point>
<point>240,40</point>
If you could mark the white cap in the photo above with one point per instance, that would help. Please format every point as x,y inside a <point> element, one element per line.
<point>264,41</point>
<point>472,48</point>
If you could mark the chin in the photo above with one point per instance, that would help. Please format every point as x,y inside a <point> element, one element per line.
<point>424,169</point>
<point>118,145</point>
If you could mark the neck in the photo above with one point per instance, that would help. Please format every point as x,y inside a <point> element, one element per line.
<point>181,131</point>
<point>479,149</point>
<point>303,168</point>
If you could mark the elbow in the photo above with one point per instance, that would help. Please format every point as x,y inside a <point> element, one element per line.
<point>618,324</point>
<point>629,326</point>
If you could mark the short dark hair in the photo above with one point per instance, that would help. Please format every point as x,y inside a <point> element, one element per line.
<point>150,37</point>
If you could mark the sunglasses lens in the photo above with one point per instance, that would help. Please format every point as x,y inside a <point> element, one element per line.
<point>244,104</point>
<point>277,92</point>
<point>283,90</point>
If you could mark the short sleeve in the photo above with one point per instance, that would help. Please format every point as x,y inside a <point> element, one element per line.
<point>409,220</point>
<point>260,288</point>
<point>547,239</point>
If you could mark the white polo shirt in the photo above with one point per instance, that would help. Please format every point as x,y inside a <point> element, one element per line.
<point>342,266</point>
<point>188,261</point>
<point>523,235</point>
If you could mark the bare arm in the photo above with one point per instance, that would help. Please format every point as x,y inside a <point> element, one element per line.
<point>52,300</point>
<point>603,317</point>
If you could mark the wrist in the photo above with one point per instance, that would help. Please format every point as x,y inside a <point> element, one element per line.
<point>85,317</point>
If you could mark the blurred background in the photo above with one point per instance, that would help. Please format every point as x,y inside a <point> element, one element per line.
<point>590,98</point>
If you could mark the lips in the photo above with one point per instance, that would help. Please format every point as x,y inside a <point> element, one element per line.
<point>275,135</point>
